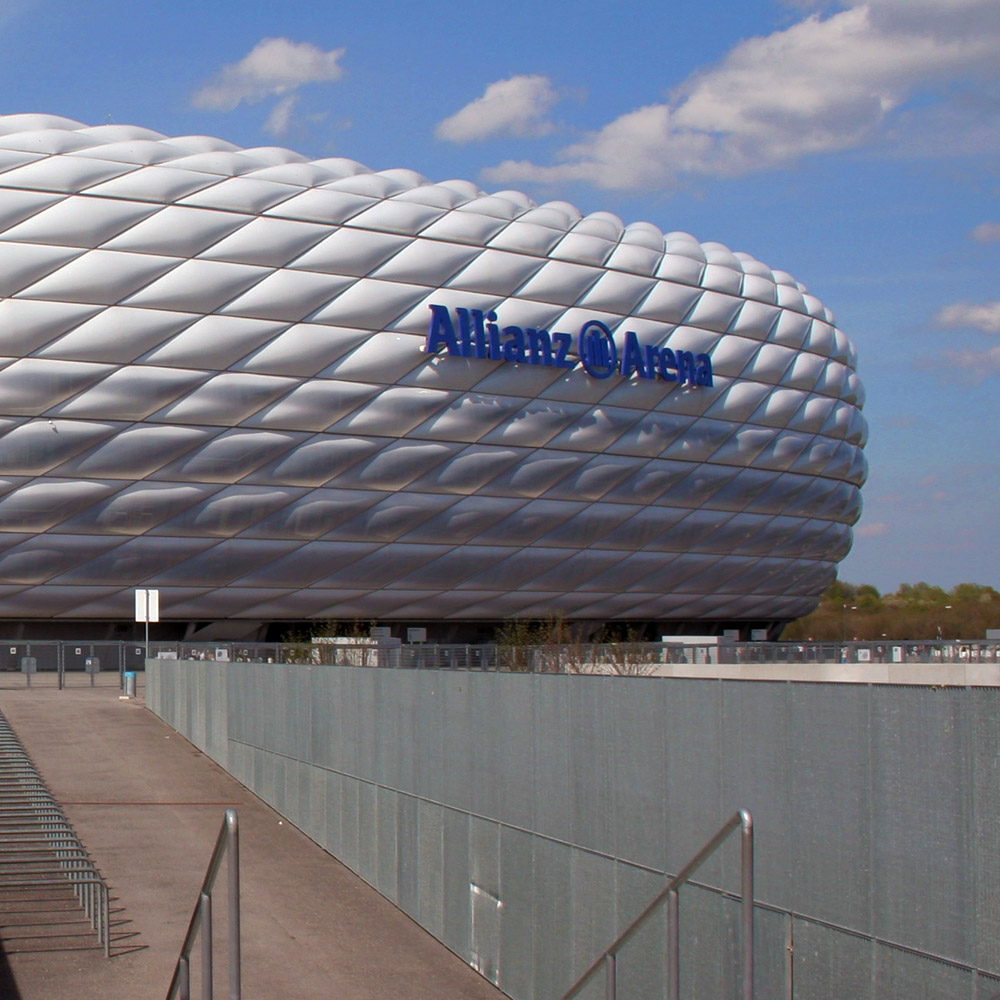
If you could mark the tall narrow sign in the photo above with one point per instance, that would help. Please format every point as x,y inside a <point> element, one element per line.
<point>147,609</point>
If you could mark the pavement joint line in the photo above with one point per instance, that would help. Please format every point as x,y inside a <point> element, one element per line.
<point>143,803</point>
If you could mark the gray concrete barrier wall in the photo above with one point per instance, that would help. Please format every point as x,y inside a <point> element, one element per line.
<point>525,819</point>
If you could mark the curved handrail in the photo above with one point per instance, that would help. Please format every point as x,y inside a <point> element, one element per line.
<point>609,959</point>
<point>227,842</point>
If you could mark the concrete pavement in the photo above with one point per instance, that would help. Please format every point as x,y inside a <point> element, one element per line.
<point>148,805</point>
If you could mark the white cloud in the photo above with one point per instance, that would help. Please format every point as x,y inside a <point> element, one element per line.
<point>874,530</point>
<point>984,317</point>
<point>824,84</point>
<point>986,232</point>
<point>274,67</point>
<point>515,107</point>
<point>974,367</point>
<point>279,121</point>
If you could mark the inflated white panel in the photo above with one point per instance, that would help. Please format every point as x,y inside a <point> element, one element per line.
<point>351,251</point>
<point>28,325</point>
<point>304,349</point>
<point>228,511</point>
<point>103,277</point>
<point>36,447</point>
<point>669,302</point>
<point>242,194</point>
<point>397,217</point>
<point>681,269</point>
<point>560,282</point>
<point>23,264</point>
<point>62,173</point>
<point>287,295</point>
<point>471,469</point>
<point>535,424</point>
<point>421,261</point>
<point>31,385</point>
<point>19,205</point>
<point>137,509</point>
<point>115,335</point>
<point>129,393</point>
<point>379,356</point>
<point>321,205</point>
<point>313,406</point>
<point>212,342</point>
<point>583,248</point>
<point>370,304</point>
<point>397,465</point>
<point>635,258</point>
<point>315,460</point>
<point>136,452</point>
<point>268,242</point>
<point>43,504</point>
<point>225,399</point>
<point>141,148</point>
<point>395,411</point>
<point>722,278</point>
<point>525,237</point>
<point>495,272</point>
<point>376,186</point>
<point>79,222</point>
<point>198,286</point>
<point>163,185</point>
<point>714,311</point>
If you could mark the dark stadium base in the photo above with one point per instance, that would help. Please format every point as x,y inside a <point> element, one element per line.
<point>513,632</point>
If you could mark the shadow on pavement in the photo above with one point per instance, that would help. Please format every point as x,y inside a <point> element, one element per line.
<point>8,988</point>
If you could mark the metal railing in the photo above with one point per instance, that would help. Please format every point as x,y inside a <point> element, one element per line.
<point>39,850</point>
<point>226,844</point>
<point>609,960</point>
<point>69,660</point>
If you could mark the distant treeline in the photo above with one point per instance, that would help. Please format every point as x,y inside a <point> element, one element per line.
<point>915,611</point>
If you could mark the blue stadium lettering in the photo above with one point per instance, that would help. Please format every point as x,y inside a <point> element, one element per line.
<point>477,333</point>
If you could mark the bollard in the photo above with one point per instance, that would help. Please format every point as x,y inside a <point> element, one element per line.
<point>129,683</point>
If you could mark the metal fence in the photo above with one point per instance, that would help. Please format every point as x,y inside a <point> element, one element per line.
<point>41,855</point>
<point>625,658</point>
<point>526,818</point>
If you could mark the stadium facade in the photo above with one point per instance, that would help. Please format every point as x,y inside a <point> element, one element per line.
<point>280,390</point>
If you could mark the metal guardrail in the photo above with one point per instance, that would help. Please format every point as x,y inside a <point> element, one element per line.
<point>226,844</point>
<point>670,897</point>
<point>38,848</point>
<point>70,659</point>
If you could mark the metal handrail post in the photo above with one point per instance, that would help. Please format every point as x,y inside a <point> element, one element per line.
<point>207,977</point>
<point>611,981</point>
<point>184,979</point>
<point>747,890</point>
<point>673,946</point>
<point>233,871</point>
<point>107,921</point>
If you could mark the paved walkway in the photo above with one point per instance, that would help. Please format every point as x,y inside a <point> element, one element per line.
<point>147,806</point>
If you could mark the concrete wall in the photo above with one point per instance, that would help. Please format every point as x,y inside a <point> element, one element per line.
<point>525,819</point>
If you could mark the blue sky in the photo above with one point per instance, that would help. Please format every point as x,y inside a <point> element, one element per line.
<point>857,147</point>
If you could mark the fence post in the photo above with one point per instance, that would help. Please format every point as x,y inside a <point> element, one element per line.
<point>205,905</point>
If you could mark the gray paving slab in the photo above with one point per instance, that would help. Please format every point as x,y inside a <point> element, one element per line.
<point>148,805</point>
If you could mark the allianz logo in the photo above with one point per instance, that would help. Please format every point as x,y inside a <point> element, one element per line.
<point>475,333</point>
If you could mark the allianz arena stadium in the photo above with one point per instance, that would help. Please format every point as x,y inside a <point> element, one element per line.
<point>284,390</point>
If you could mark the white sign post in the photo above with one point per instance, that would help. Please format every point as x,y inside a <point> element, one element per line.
<point>147,609</point>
